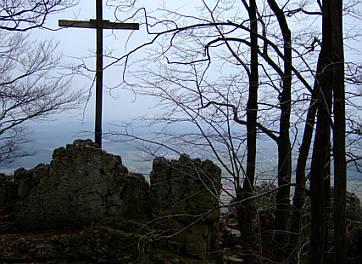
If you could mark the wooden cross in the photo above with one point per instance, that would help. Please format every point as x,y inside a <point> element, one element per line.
<point>99,24</point>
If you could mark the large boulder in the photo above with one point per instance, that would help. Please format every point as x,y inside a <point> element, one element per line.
<point>81,184</point>
<point>185,198</point>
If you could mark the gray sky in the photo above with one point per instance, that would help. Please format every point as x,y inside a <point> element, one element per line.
<point>77,45</point>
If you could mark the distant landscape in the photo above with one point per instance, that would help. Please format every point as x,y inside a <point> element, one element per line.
<point>51,135</point>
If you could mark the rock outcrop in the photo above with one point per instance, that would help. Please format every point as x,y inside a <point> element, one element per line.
<point>185,196</point>
<point>85,207</point>
<point>81,184</point>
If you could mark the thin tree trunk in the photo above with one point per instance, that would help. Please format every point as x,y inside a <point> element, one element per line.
<point>252,110</point>
<point>339,151</point>
<point>299,194</point>
<point>320,174</point>
<point>284,146</point>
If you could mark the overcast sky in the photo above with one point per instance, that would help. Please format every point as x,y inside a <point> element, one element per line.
<point>78,44</point>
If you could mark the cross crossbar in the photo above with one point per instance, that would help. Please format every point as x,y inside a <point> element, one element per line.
<point>92,23</point>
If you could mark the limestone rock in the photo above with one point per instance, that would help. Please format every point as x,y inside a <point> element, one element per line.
<point>81,184</point>
<point>85,207</point>
<point>7,190</point>
<point>185,196</point>
<point>353,207</point>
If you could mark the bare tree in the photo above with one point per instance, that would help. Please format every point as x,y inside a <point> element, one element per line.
<point>199,69</point>
<point>33,84</point>
<point>22,15</point>
<point>284,145</point>
<point>334,12</point>
<point>247,209</point>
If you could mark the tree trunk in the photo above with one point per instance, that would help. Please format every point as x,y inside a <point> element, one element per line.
<point>334,11</point>
<point>252,110</point>
<point>320,174</point>
<point>284,146</point>
<point>320,169</point>
<point>299,194</point>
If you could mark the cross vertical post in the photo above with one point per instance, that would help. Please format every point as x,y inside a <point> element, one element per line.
<point>99,24</point>
<point>99,74</point>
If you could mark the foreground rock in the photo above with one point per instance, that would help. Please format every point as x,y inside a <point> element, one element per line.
<point>82,184</point>
<point>85,207</point>
<point>185,197</point>
<point>92,244</point>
